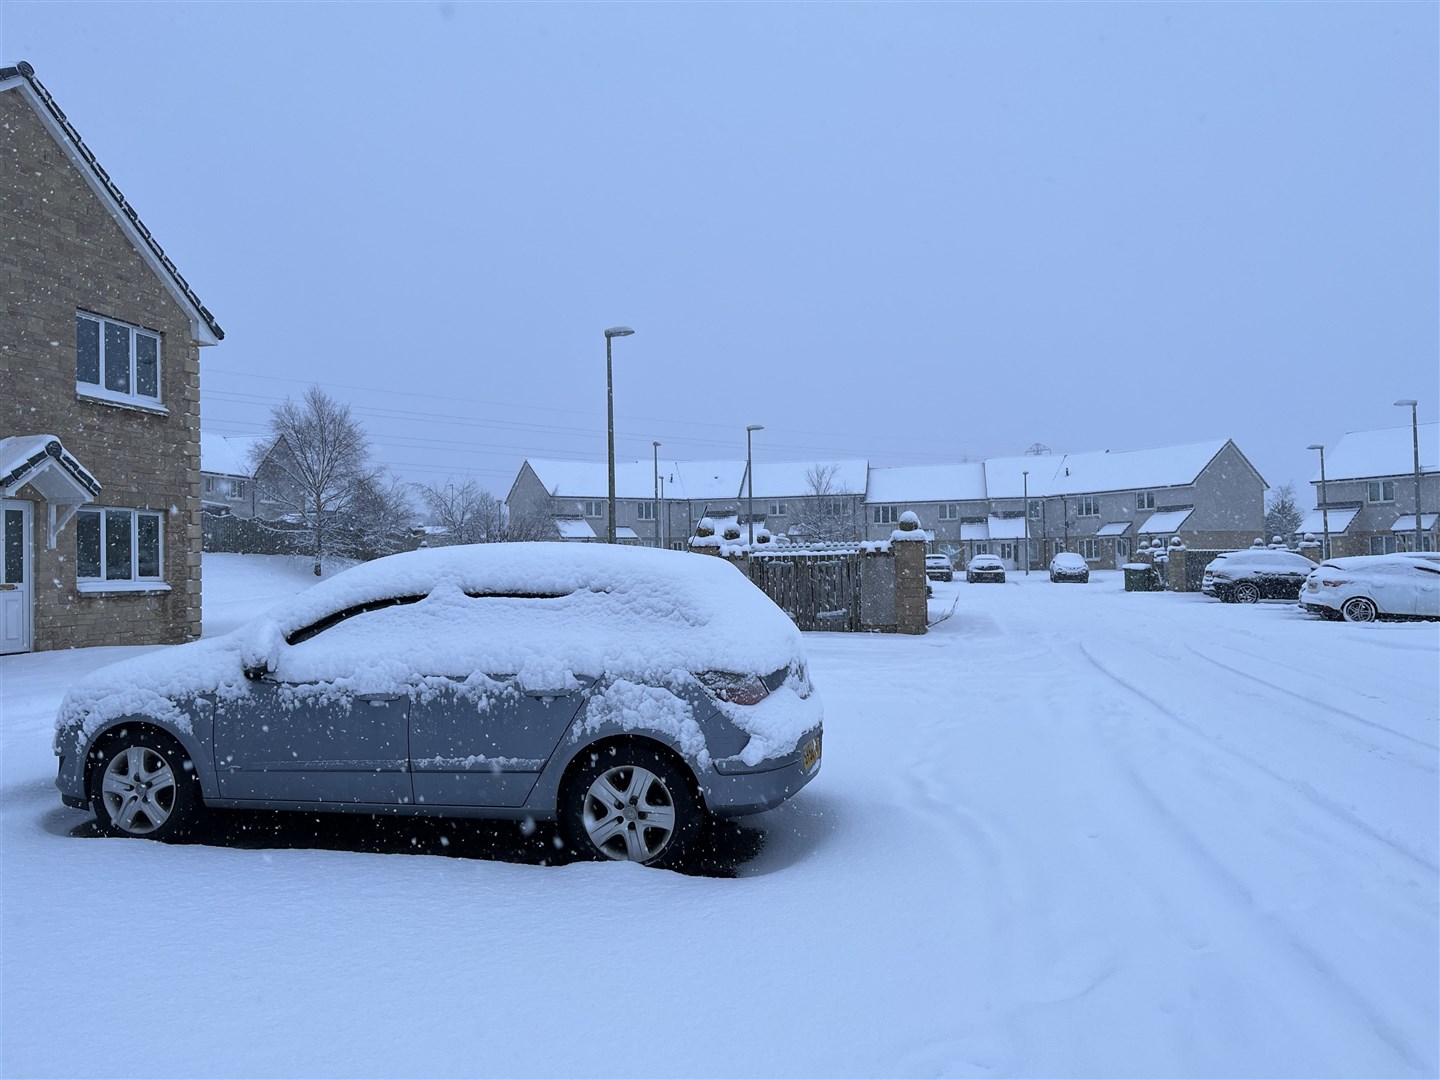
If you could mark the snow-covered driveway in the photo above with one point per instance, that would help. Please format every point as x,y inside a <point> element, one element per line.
<point>1070,831</point>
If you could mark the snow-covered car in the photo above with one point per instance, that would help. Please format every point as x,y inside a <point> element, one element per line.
<point>1068,566</point>
<point>1364,588</point>
<point>939,567</point>
<point>984,568</point>
<point>1245,577</point>
<point>622,692</point>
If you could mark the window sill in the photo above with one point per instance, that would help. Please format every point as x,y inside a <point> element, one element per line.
<point>121,587</point>
<point>89,392</point>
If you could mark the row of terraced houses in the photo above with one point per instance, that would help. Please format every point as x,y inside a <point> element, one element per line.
<point>102,483</point>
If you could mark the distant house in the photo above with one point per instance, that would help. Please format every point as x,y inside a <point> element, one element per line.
<point>100,436</point>
<point>1369,492</point>
<point>1098,504</point>
<point>227,475</point>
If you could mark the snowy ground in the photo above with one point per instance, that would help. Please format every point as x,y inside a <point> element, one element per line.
<point>1070,832</point>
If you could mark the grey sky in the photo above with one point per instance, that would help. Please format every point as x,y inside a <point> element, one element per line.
<point>912,232</point>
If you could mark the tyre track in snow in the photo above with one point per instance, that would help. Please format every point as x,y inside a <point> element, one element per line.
<point>1304,790</point>
<point>1247,902</point>
<point>1287,693</point>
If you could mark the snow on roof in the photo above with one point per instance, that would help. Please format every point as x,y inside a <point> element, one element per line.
<point>1113,528</point>
<point>791,479</point>
<point>43,460</point>
<point>1098,470</point>
<point>1387,452</point>
<point>1166,521</point>
<point>974,530</point>
<point>1406,523</point>
<point>1314,521</point>
<point>927,483</point>
<point>1007,528</point>
<point>694,481</point>
<point>574,529</point>
<point>624,532</point>
<point>228,455</point>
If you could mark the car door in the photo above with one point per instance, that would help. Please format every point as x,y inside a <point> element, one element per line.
<point>320,727</point>
<point>483,741</point>
<point>1392,586</point>
<point>1427,590</point>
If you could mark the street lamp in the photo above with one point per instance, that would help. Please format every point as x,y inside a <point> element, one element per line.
<point>750,429</point>
<point>1324,502</point>
<point>1415,438</point>
<point>613,332</point>
<point>655,506</point>
<point>1025,481</point>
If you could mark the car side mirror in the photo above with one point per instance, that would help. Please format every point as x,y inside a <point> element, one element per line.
<point>255,671</point>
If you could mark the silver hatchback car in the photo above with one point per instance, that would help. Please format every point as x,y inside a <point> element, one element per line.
<point>623,693</point>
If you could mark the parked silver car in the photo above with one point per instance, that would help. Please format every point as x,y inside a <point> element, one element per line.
<point>939,567</point>
<point>985,568</point>
<point>1068,566</point>
<point>1364,588</point>
<point>621,692</point>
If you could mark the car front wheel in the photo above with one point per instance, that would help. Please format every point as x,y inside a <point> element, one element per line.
<point>1247,593</point>
<point>1358,609</point>
<point>632,803</point>
<point>145,786</point>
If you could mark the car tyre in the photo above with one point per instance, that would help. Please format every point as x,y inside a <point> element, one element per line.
<point>144,786</point>
<point>630,801</point>
<point>1246,592</point>
<point>1359,609</point>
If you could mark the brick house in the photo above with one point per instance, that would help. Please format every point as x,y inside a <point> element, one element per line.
<point>1369,492</point>
<point>100,429</point>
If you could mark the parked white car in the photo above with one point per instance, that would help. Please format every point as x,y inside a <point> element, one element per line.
<point>1369,587</point>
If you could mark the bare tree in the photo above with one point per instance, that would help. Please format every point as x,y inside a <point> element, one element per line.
<point>825,514</point>
<point>1283,517</point>
<point>316,467</point>
<point>472,515</point>
<point>377,520</point>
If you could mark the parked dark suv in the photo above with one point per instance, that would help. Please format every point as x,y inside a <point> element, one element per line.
<point>1244,577</point>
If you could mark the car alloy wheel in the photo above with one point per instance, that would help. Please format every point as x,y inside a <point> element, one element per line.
<point>145,788</point>
<point>1247,593</point>
<point>1358,609</point>
<point>632,803</point>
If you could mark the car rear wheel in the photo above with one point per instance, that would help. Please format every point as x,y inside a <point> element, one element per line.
<point>1358,609</point>
<point>1247,593</point>
<point>144,786</point>
<point>632,802</point>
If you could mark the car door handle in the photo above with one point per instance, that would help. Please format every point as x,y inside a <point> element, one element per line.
<point>378,699</point>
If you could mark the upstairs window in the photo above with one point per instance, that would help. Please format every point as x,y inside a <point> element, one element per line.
<point>1382,491</point>
<point>116,361</point>
<point>1144,500</point>
<point>645,511</point>
<point>592,508</point>
<point>1037,509</point>
<point>949,511</point>
<point>777,509</point>
<point>887,515</point>
<point>1089,506</point>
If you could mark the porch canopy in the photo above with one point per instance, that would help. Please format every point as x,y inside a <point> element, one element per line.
<point>1113,528</point>
<point>1314,521</point>
<point>41,462</point>
<point>574,529</point>
<point>1165,521</point>
<point>1406,523</point>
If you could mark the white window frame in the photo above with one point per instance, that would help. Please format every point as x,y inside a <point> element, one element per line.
<point>1089,548</point>
<point>1037,509</point>
<point>949,512</point>
<point>98,389</point>
<point>645,511</point>
<point>1007,549</point>
<point>887,514</point>
<point>1380,487</point>
<point>1145,500</point>
<point>592,508</point>
<point>133,583</point>
<point>1383,544</point>
<point>777,509</point>
<point>1087,506</point>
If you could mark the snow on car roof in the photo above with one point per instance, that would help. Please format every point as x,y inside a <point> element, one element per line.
<point>1263,555</point>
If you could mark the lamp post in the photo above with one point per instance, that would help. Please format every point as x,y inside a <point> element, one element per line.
<point>750,429</point>
<point>655,506</point>
<point>1025,480</point>
<point>611,334</point>
<point>1415,439</point>
<point>1324,502</point>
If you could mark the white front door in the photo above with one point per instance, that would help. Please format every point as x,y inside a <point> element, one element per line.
<point>14,576</point>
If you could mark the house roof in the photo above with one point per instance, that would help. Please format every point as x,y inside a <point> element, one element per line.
<point>21,77</point>
<point>1361,455</point>
<point>791,479</point>
<point>927,483</point>
<point>694,481</point>
<point>228,454</point>
<point>1099,470</point>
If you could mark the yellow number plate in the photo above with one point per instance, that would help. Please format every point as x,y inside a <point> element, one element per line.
<point>810,755</point>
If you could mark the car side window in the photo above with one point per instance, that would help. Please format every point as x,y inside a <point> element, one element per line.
<point>305,633</point>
